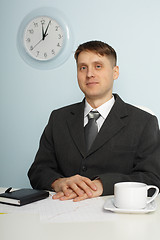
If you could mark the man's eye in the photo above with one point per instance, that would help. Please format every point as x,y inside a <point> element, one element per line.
<point>98,66</point>
<point>83,68</point>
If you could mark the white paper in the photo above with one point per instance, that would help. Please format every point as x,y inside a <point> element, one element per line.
<point>89,210</point>
<point>49,210</point>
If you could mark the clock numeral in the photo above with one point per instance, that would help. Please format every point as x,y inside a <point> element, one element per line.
<point>28,40</point>
<point>45,55</point>
<point>53,52</point>
<point>31,48</point>
<point>58,45</point>
<point>43,21</point>
<point>35,24</point>
<point>31,31</point>
<point>60,36</point>
<point>56,28</point>
<point>37,54</point>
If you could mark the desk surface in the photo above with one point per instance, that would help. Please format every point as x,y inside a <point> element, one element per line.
<point>27,226</point>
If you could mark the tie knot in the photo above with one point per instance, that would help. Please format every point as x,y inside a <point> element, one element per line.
<point>93,115</point>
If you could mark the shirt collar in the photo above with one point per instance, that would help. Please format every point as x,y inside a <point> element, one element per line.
<point>104,109</point>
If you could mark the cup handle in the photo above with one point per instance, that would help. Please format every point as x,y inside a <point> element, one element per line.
<point>155,194</point>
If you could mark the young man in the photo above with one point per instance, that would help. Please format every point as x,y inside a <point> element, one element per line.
<point>126,147</point>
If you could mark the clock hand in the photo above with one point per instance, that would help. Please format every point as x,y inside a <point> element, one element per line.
<point>37,44</point>
<point>45,34</point>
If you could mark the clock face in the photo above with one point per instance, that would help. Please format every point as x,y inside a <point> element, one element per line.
<point>43,38</point>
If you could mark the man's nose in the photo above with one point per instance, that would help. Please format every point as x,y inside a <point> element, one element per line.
<point>90,72</point>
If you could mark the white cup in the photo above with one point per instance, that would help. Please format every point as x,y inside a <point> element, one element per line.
<point>133,195</point>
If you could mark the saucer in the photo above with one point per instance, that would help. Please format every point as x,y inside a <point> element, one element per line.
<point>109,205</point>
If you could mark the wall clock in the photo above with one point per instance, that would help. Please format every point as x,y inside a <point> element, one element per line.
<point>45,39</point>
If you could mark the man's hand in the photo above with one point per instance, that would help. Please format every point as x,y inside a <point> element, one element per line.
<point>96,193</point>
<point>77,188</point>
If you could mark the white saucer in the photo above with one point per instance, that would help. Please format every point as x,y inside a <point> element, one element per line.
<point>109,205</point>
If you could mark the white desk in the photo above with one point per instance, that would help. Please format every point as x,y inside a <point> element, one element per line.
<point>27,226</point>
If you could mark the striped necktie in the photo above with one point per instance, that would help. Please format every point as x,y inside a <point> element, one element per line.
<point>91,129</point>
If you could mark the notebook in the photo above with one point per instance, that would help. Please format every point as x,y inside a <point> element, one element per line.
<point>22,196</point>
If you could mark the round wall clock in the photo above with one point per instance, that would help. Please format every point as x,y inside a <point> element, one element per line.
<point>44,39</point>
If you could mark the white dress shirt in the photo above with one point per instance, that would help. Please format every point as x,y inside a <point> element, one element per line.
<point>104,110</point>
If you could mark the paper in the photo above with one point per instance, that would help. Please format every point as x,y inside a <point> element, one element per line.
<point>89,210</point>
<point>49,210</point>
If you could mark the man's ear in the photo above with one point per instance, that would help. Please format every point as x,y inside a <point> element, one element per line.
<point>115,72</point>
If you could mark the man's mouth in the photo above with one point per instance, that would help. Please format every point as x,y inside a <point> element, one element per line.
<point>91,83</point>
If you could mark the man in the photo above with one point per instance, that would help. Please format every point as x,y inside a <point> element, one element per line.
<point>126,148</point>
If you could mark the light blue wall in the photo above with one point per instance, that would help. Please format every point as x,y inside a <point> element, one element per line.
<point>28,95</point>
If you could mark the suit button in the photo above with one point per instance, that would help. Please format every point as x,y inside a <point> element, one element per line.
<point>84,168</point>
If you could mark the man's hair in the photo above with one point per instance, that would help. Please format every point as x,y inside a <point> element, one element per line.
<point>98,47</point>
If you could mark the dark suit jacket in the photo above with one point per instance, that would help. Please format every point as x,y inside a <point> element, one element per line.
<point>127,148</point>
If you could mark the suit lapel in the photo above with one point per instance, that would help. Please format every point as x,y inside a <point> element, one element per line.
<point>76,126</point>
<point>116,120</point>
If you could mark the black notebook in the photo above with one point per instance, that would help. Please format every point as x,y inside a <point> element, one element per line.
<point>22,196</point>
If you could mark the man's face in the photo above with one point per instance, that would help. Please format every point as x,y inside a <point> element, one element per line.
<point>95,75</point>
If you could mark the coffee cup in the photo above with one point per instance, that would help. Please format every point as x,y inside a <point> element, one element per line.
<point>133,195</point>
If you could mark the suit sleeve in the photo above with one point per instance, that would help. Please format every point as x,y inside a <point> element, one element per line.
<point>146,167</point>
<point>44,170</point>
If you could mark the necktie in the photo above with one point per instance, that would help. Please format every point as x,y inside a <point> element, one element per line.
<point>91,129</point>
